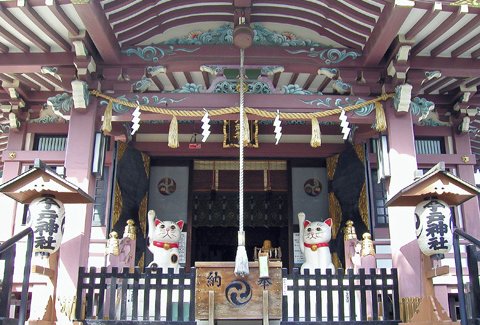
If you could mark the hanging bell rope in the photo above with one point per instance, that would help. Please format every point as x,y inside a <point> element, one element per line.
<point>241,259</point>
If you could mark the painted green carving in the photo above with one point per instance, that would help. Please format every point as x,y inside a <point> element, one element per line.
<point>62,103</point>
<point>329,56</point>
<point>294,89</point>
<point>154,53</point>
<point>142,84</point>
<point>340,102</point>
<point>223,35</point>
<point>421,106</point>
<point>230,87</point>
<point>189,88</point>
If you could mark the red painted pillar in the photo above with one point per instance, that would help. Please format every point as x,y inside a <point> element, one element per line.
<point>12,167</point>
<point>470,211</point>
<point>78,217</point>
<point>406,255</point>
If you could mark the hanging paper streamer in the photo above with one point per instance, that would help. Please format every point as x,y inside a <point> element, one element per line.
<point>107,118</point>
<point>205,126</point>
<point>278,129</point>
<point>316,140</point>
<point>246,130</point>
<point>135,120</point>
<point>344,124</point>
<point>173,134</point>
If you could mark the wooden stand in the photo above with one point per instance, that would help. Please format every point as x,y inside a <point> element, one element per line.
<point>214,282</point>
<point>430,311</point>
<point>44,294</point>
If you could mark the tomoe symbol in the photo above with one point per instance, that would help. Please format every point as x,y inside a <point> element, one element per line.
<point>238,292</point>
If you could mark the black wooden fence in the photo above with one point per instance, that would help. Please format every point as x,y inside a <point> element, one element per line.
<point>133,297</point>
<point>109,296</point>
<point>367,297</point>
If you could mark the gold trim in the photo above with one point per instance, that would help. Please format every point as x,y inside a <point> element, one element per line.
<point>122,147</point>
<point>334,209</point>
<point>117,204</point>
<point>142,212</point>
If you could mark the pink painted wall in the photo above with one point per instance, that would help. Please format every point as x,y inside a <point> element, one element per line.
<point>11,168</point>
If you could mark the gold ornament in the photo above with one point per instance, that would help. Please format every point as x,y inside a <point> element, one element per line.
<point>130,230</point>
<point>113,244</point>
<point>349,231</point>
<point>367,245</point>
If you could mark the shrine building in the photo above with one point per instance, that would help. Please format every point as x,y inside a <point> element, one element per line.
<point>230,120</point>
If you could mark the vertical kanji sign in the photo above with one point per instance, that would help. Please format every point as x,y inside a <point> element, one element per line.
<point>432,225</point>
<point>47,215</point>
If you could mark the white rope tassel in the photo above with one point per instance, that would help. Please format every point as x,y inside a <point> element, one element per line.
<point>241,259</point>
<point>173,134</point>
<point>316,140</point>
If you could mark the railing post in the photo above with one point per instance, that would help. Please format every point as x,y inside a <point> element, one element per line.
<point>473,256</point>
<point>458,271</point>
<point>26,279</point>
<point>7,279</point>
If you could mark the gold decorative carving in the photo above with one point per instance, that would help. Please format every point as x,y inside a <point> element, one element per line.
<point>363,205</point>
<point>142,212</point>
<point>122,147</point>
<point>12,155</point>
<point>334,210</point>
<point>118,204</point>
<point>231,134</point>
<point>362,200</point>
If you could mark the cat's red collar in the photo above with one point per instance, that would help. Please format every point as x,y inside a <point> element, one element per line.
<point>314,247</point>
<point>164,245</point>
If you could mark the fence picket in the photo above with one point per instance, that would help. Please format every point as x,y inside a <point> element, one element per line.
<point>374,294</point>
<point>123,304</point>
<point>351,293</point>
<point>101,295</point>
<point>112,293</point>
<point>146,293</point>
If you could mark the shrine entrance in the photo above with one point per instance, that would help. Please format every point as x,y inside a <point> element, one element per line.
<point>215,208</point>
<point>215,225</point>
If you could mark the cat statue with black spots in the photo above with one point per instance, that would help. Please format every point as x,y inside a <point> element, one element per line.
<point>314,244</point>
<point>163,242</point>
